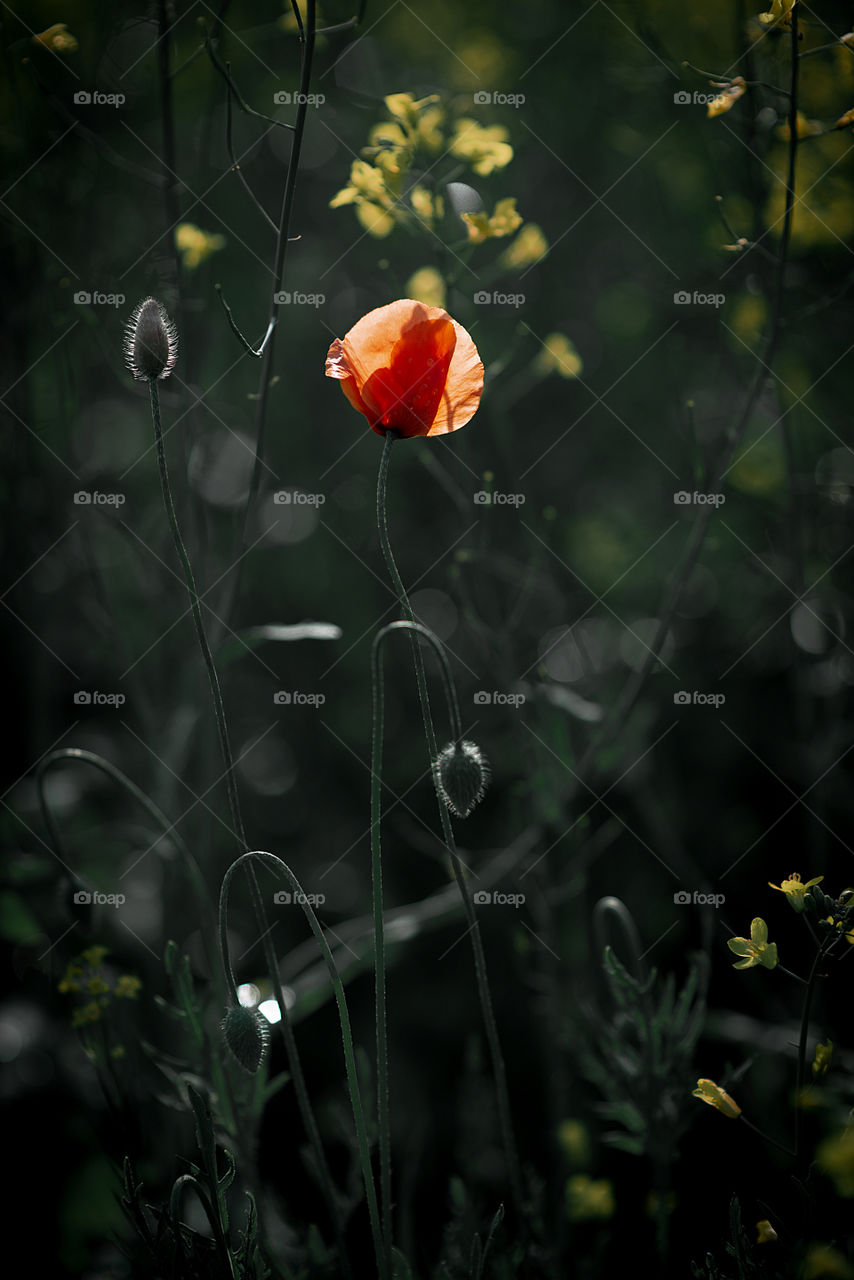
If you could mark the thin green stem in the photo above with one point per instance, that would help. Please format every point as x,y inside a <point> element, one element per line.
<point>276,863</point>
<point>261,921</point>
<point>378,706</point>
<point>496,1055</point>
<point>802,1042</point>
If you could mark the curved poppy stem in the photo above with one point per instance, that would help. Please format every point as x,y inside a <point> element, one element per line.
<point>377,717</point>
<point>276,863</point>
<point>498,1068</point>
<point>239,833</point>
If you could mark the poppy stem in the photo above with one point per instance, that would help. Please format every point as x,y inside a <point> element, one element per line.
<point>498,1068</point>
<point>239,833</point>
<point>377,718</point>
<point>276,864</point>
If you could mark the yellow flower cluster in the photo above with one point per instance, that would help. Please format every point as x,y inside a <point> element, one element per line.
<point>388,187</point>
<point>795,891</point>
<point>589,1199</point>
<point>780,14</point>
<point>85,976</point>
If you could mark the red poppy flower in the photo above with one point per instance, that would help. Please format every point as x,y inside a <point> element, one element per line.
<point>409,368</point>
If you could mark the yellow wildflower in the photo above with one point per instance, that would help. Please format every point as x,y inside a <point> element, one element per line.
<point>86,1013</point>
<point>795,891</point>
<point>485,148</point>
<point>558,355</point>
<point>426,286</point>
<point>504,221</point>
<point>69,981</point>
<point>58,39</point>
<point>765,1233</point>
<point>589,1199</point>
<point>97,987</point>
<point>195,245</point>
<point>390,148</point>
<point>714,1095</point>
<point>849,937</point>
<point>574,1141</point>
<point>427,205</point>
<point>823,1262</point>
<point>835,1157</point>
<point>755,950</point>
<point>780,14</point>
<point>727,98</point>
<point>421,118</point>
<point>821,1062</point>
<point>95,956</point>
<point>128,987</point>
<point>529,247</point>
<point>845,120</point>
<point>373,197</point>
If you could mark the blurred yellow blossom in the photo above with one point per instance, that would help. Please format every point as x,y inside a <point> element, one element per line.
<point>730,93</point>
<point>574,1141</point>
<point>58,39</point>
<point>95,955</point>
<point>805,128</point>
<point>373,197</point>
<point>484,147</point>
<point>428,206</point>
<point>845,120</point>
<point>96,986</point>
<point>714,1095</point>
<point>795,891</point>
<point>823,1262</point>
<point>427,286</point>
<point>85,1014</point>
<point>389,148</point>
<point>421,118</point>
<point>821,1062</point>
<point>589,1198</point>
<point>128,987</point>
<point>835,1157</point>
<point>558,355</point>
<point>765,1233</point>
<point>504,221</point>
<point>69,981</point>
<point>779,13</point>
<point>756,949</point>
<point>195,245</point>
<point>529,247</point>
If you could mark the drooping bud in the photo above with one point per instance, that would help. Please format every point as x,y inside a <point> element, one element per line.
<point>461,771</point>
<point>246,1033</point>
<point>151,341</point>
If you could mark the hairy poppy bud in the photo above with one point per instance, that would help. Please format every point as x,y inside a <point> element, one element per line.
<point>461,771</point>
<point>151,341</point>
<point>246,1033</point>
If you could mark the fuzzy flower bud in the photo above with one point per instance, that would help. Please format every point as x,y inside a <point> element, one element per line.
<point>151,341</point>
<point>246,1033</point>
<point>461,771</point>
